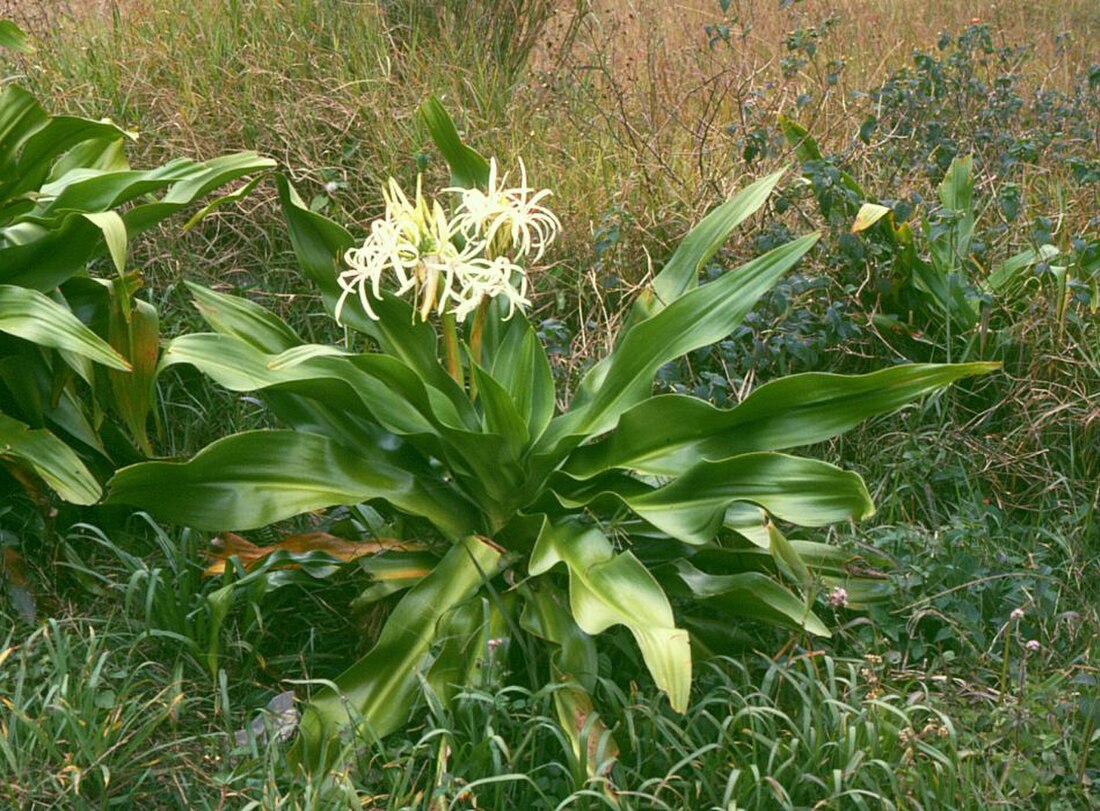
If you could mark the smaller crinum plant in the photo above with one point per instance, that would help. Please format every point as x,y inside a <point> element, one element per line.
<point>526,522</point>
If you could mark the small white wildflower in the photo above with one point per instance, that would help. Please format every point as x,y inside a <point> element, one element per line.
<point>1017,613</point>
<point>331,187</point>
<point>838,597</point>
<point>515,213</point>
<point>1032,645</point>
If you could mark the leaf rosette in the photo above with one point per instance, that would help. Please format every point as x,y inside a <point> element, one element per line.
<point>659,514</point>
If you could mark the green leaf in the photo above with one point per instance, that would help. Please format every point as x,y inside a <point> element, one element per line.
<point>468,169</point>
<point>1010,271</point>
<point>20,117</point>
<point>788,560</point>
<point>751,595</point>
<point>806,150</point>
<point>54,241</point>
<point>191,182</point>
<point>694,320</point>
<point>45,152</point>
<point>573,668</point>
<point>692,507</point>
<point>32,316</point>
<point>465,632</point>
<point>520,365</point>
<point>681,273</point>
<point>500,414</point>
<point>113,229</point>
<point>244,319</point>
<point>606,589</point>
<point>379,689</point>
<point>13,38</point>
<point>255,478</point>
<point>138,341</point>
<point>663,435</point>
<point>804,146</point>
<point>546,616</point>
<point>50,458</point>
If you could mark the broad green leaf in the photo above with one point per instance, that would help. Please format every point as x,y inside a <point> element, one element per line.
<point>319,243</point>
<point>104,154</point>
<point>92,190</point>
<point>546,616</point>
<point>752,595</point>
<point>573,667</point>
<point>696,319</point>
<point>255,478</point>
<point>34,317</point>
<point>663,435</point>
<point>804,146</point>
<point>113,229</point>
<point>519,363</point>
<point>33,383</point>
<point>192,182</point>
<point>749,521</point>
<point>138,341</point>
<point>244,319</point>
<point>50,458</point>
<point>378,691</point>
<point>55,241</point>
<point>42,154</point>
<point>499,411</point>
<point>388,391</point>
<point>13,38</point>
<point>606,589</point>
<point>42,258</point>
<point>692,507</point>
<point>20,117</point>
<point>468,169</point>
<point>238,366</point>
<point>681,273</point>
<point>788,560</point>
<point>821,559</point>
<point>1012,268</point>
<point>463,631</point>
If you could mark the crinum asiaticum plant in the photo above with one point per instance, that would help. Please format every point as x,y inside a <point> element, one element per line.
<point>78,350</point>
<point>529,521</point>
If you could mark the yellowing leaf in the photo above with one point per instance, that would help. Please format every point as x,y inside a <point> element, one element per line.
<point>229,545</point>
<point>868,215</point>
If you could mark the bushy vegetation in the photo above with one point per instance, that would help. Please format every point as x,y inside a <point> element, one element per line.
<point>941,653</point>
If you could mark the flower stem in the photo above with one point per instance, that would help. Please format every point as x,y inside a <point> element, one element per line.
<point>450,348</point>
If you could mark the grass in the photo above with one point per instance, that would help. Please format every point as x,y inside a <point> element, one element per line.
<point>91,721</point>
<point>640,116</point>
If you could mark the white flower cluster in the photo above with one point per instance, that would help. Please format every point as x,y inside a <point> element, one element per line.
<point>452,264</point>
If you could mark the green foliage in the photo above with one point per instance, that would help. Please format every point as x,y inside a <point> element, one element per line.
<point>76,347</point>
<point>473,461</point>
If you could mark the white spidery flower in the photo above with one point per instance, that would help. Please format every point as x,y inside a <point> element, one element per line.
<point>514,214</point>
<point>484,279</point>
<point>415,242</point>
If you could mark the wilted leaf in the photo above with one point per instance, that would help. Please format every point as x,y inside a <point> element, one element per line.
<point>228,545</point>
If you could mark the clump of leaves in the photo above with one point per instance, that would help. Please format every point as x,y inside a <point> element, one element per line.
<point>538,528</point>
